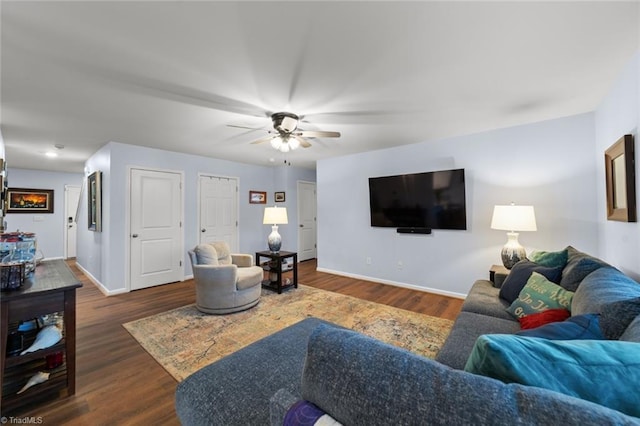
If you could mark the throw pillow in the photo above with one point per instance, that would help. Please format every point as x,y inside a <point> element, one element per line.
<point>206,254</point>
<point>540,294</point>
<point>542,318</point>
<point>579,265</point>
<point>552,259</point>
<point>305,413</point>
<point>224,254</point>
<point>605,285</point>
<point>602,371</point>
<point>520,273</point>
<point>615,317</point>
<point>582,327</point>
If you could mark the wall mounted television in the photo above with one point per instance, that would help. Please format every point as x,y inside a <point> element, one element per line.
<point>430,200</point>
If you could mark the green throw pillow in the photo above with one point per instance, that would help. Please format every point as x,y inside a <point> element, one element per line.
<point>552,259</point>
<point>538,295</point>
<point>606,372</point>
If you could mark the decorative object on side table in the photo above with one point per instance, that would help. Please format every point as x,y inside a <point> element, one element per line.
<point>621,180</point>
<point>275,216</point>
<point>513,218</point>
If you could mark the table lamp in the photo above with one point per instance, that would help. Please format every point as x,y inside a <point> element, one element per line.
<point>513,218</point>
<point>275,216</point>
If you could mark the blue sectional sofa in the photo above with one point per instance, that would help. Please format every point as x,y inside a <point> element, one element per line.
<point>315,368</point>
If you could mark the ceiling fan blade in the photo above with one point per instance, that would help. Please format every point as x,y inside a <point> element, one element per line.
<point>245,127</point>
<point>303,142</point>
<point>261,140</point>
<point>318,134</point>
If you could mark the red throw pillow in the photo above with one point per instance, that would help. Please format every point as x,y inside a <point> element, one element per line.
<point>542,318</point>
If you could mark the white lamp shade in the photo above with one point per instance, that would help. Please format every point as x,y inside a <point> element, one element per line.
<point>514,218</point>
<point>275,216</point>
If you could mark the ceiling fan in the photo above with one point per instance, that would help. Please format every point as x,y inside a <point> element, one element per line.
<point>286,136</point>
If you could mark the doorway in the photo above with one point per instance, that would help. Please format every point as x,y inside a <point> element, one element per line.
<point>71,203</point>
<point>218,207</point>
<point>307,237</point>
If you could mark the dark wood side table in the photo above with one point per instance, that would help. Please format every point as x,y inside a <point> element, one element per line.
<point>497,275</point>
<point>51,288</point>
<point>275,264</point>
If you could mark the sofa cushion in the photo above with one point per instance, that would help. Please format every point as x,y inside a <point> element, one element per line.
<point>483,299</point>
<point>581,327</point>
<point>579,265</point>
<point>616,317</point>
<point>602,286</point>
<point>552,259</point>
<point>539,295</point>
<point>362,381</point>
<point>541,318</point>
<point>632,333</point>
<point>520,274</point>
<point>206,254</point>
<point>602,371</point>
<point>467,328</point>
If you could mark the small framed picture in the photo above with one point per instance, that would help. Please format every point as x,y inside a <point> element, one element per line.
<point>279,197</point>
<point>257,197</point>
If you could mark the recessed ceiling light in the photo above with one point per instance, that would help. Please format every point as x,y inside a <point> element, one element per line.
<point>51,154</point>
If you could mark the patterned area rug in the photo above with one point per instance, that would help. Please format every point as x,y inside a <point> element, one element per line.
<point>184,340</point>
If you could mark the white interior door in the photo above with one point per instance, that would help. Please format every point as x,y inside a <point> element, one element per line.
<point>219,210</point>
<point>71,200</point>
<point>156,239</point>
<point>307,221</point>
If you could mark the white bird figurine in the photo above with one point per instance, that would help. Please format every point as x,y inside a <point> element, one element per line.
<point>47,337</point>
<point>39,377</point>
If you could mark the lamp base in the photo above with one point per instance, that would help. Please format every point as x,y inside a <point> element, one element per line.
<point>275,240</point>
<point>512,252</point>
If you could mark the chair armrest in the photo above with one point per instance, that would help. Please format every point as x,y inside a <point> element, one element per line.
<point>242,260</point>
<point>219,274</point>
<point>279,404</point>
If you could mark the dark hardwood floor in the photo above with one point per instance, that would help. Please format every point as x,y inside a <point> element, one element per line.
<point>119,383</point>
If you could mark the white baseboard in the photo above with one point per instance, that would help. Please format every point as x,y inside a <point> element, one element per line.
<point>394,283</point>
<point>98,284</point>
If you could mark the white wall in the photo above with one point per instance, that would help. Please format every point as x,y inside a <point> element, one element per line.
<point>49,231</point>
<point>103,255</point>
<point>617,115</point>
<point>549,165</point>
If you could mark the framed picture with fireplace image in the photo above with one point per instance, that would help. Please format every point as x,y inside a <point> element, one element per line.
<point>27,200</point>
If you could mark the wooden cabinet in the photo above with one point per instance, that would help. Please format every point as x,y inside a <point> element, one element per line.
<point>50,289</point>
<point>275,266</point>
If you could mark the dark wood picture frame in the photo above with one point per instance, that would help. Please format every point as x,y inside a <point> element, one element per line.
<point>621,180</point>
<point>94,201</point>
<point>279,197</point>
<point>29,200</point>
<point>257,197</point>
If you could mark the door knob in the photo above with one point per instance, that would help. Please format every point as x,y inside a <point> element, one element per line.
<point>203,230</point>
<point>301,226</point>
<point>134,235</point>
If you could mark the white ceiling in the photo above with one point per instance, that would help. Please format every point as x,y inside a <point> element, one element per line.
<point>173,75</point>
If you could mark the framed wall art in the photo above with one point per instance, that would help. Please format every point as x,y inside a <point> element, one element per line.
<point>621,180</point>
<point>94,199</point>
<point>257,197</point>
<point>27,200</point>
<point>279,197</point>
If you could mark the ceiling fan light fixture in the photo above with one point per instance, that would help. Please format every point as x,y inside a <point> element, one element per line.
<point>293,143</point>
<point>285,147</point>
<point>276,142</point>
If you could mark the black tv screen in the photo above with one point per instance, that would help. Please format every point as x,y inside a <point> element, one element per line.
<point>434,200</point>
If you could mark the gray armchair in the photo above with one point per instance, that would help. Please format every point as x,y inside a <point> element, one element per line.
<point>225,282</point>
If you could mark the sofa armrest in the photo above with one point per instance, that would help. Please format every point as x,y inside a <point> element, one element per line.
<point>359,380</point>
<point>279,404</point>
<point>242,260</point>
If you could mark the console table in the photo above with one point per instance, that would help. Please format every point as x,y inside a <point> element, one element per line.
<point>51,288</point>
<point>275,265</point>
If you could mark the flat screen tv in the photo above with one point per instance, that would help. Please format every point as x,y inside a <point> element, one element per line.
<point>433,200</point>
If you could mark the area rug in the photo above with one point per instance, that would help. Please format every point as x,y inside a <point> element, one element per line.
<point>184,340</point>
